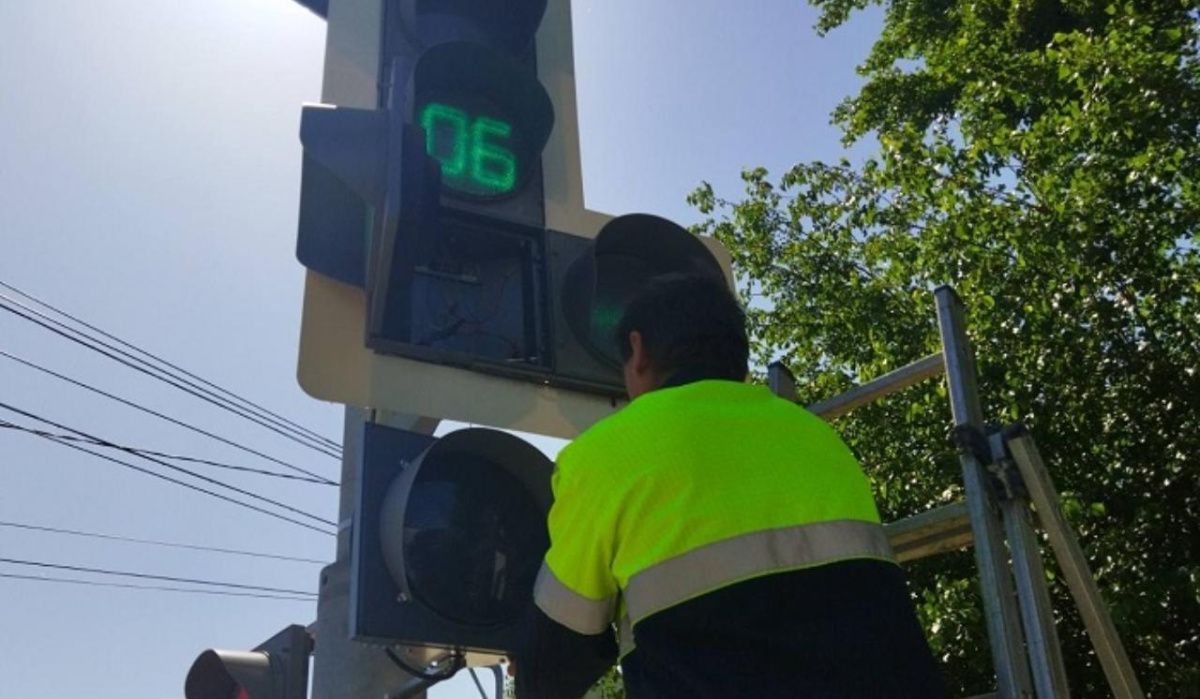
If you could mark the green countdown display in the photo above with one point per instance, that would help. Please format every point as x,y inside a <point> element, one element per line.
<point>475,150</point>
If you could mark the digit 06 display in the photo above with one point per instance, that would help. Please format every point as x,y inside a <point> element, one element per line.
<point>477,148</point>
<point>486,119</point>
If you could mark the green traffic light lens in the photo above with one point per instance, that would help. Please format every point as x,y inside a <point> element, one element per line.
<point>618,279</point>
<point>605,317</point>
<point>626,254</point>
<point>485,114</point>
<point>477,150</point>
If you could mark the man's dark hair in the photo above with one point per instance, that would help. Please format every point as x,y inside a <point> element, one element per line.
<point>689,324</point>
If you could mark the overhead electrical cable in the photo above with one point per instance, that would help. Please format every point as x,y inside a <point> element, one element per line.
<point>156,588</point>
<point>65,331</point>
<point>100,347</point>
<point>151,576</point>
<point>300,428</point>
<point>478,684</point>
<point>167,464</point>
<point>191,486</point>
<point>175,457</point>
<point>156,542</point>
<point>162,416</point>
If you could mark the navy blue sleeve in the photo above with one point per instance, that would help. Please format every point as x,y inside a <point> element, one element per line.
<point>555,662</point>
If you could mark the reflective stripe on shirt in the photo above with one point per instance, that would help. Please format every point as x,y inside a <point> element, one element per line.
<point>569,608</point>
<point>708,568</point>
<point>739,558</point>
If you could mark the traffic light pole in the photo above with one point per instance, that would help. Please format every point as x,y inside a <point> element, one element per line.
<point>342,668</point>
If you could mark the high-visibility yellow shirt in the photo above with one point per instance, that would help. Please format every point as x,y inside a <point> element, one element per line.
<point>693,488</point>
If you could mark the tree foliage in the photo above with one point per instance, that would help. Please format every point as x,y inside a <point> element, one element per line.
<point>1042,156</point>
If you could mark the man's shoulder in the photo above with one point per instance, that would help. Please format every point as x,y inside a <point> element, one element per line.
<point>653,415</point>
<point>603,436</point>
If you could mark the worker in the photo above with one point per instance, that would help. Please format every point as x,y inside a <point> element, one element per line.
<point>720,541</point>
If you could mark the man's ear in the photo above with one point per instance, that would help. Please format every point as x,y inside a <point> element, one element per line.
<point>638,356</point>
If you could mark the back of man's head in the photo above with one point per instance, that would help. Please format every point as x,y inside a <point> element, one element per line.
<point>688,324</point>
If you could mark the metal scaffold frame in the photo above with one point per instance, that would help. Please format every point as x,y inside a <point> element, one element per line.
<point>1007,491</point>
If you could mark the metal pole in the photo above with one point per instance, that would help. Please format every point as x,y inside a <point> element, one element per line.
<point>781,381</point>
<point>946,528</point>
<point>343,669</point>
<point>1033,597</point>
<point>999,603</point>
<point>1044,651</point>
<point>1071,560</point>
<point>889,383</point>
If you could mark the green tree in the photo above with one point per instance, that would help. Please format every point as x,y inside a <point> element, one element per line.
<point>1043,156</point>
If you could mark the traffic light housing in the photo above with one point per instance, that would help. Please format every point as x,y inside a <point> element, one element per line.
<point>449,536</point>
<point>455,209</point>
<point>276,669</point>
<point>449,248</point>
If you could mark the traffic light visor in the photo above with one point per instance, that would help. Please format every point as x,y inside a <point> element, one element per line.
<point>212,675</point>
<point>503,24</point>
<point>275,669</point>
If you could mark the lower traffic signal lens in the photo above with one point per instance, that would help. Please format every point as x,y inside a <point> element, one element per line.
<point>463,528</point>
<point>473,541</point>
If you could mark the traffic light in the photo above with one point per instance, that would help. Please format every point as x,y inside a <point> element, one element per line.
<point>449,536</point>
<point>436,207</point>
<point>276,669</point>
<point>449,248</point>
<point>593,280</point>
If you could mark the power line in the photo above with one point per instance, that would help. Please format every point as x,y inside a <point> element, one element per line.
<point>155,542</point>
<point>190,486</point>
<point>315,435</point>
<point>151,576</point>
<point>478,685</point>
<point>161,416</point>
<point>158,588</point>
<point>176,457</point>
<point>173,467</point>
<point>74,335</point>
<point>63,330</point>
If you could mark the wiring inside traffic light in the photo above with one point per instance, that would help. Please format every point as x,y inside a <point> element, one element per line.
<point>470,296</point>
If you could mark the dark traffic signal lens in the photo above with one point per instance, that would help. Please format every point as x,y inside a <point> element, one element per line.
<point>463,528</point>
<point>473,541</point>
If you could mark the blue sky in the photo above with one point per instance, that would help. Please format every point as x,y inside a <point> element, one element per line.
<point>149,175</point>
